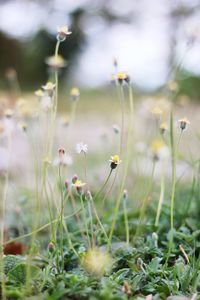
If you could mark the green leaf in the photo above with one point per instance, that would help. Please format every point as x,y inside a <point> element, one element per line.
<point>19,273</point>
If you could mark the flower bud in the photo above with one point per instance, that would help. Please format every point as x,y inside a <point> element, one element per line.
<point>51,247</point>
<point>74,178</point>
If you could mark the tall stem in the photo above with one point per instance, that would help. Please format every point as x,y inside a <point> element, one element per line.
<point>61,219</point>
<point>85,219</point>
<point>174,151</point>
<point>4,198</point>
<point>162,191</point>
<point>126,166</point>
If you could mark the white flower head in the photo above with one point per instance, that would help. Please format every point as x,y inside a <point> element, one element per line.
<point>63,159</point>
<point>81,148</point>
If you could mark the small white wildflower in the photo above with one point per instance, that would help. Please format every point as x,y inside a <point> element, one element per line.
<point>63,158</point>
<point>81,148</point>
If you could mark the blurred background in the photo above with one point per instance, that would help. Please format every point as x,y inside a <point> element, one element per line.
<point>148,38</point>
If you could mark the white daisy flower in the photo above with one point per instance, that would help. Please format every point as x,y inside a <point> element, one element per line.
<point>81,148</point>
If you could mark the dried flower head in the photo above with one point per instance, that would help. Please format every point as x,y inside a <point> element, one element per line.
<point>125,194</point>
<point>49,87</point>
<point>173,86</point>
<point>157,111</point>
<point>126,289</point>
<point>159,149</point>
<point>62,33</point>
<point>8,113</point>
<point>22,126</point>
<point>74,93</point>
<point>116,128</point>
<point>39,93</point>
<point>183,123</point>
<point>65,120</point>
<point>163,127</point>
<point>81,148</point>
<point>114,161</point>
<point>97,262</point>
<point>56,62</point>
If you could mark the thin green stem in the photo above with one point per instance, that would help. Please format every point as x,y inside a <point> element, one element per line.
<point>126,167</point>
<point>174,152</point>
<point>104,184</point>
<point>61,218</point>
<point>85,219</point>
<point>126,222</point>
<point>91,222</point>
<point>161,198</point>
<point>99,221</point>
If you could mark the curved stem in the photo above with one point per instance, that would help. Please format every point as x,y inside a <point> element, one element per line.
<point>101,189</point>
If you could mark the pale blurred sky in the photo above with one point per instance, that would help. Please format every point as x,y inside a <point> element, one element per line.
<point>141,45</point>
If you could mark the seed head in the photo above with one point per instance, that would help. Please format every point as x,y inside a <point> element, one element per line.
<point>97,262</point>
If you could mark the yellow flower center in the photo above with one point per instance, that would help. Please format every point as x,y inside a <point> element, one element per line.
<point>74,92</point>
<point>157,145</point>
<point>115,158</point>
<point>78,182</point>
<point>121,76</point>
